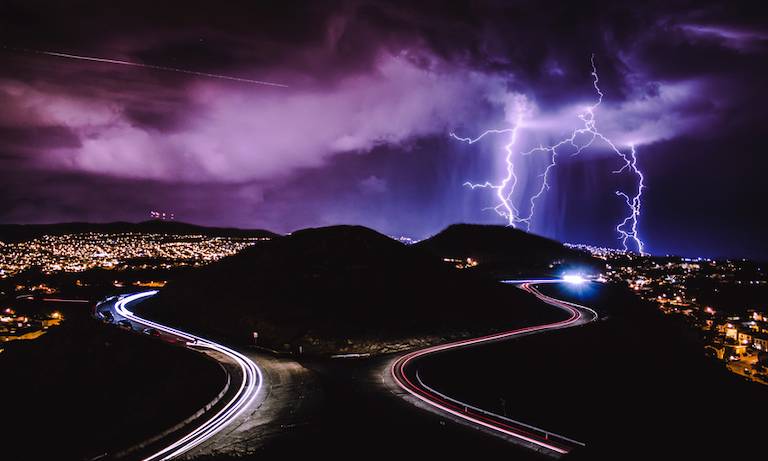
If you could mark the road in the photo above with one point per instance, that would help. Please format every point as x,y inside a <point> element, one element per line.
<point>743,367</point>
<point>244,396</point>
<point>405,373</point>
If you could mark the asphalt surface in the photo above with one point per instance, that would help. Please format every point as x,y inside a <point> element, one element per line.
<point>275,402</point>
<point>246,390</point>
<point>289,396</point>
<point>404,373</point>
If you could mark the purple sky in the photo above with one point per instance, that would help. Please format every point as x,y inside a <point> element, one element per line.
<point>360,135</point>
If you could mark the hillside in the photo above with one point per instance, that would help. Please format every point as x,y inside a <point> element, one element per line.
<point>638,376</point>
<point>503,251</point>
<point>340,289</point>
<point>86,388</point>
<point>22,232</point>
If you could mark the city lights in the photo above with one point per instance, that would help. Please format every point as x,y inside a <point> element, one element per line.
<point>684,287</point>
<point>81,252</point>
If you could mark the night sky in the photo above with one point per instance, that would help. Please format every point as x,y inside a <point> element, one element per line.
<point>361,133</point>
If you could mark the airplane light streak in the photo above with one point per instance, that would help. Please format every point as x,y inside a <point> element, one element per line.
<point>149,66</point>
<point>580,139</point>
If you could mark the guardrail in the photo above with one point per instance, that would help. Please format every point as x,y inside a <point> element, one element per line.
<point>181,424</point>
<point>548,435</point>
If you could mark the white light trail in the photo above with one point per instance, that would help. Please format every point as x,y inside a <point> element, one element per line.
<point>149,66</point>
<point>240,402</point>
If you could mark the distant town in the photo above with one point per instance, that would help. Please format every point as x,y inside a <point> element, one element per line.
<point>36,275</point>
<point>711,296</point>
<point>720,299</point>
<point>15,326</point>
<point>81,252</point>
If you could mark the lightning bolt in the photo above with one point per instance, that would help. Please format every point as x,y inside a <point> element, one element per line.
<point>506,187</point>
<point>580,139</point>
<point>634,204</point>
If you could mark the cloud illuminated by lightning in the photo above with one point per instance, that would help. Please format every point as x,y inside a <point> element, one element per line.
<point>580,139</point>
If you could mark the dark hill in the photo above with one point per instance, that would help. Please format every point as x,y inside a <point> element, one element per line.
<point>23,232</point>
<point>341,288</point>
<point>503,251</point>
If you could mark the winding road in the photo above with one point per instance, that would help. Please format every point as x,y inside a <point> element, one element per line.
<point>247,390</point>
<point>405,373</point>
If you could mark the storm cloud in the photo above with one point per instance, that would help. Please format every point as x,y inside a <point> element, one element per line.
<point>366,81</point>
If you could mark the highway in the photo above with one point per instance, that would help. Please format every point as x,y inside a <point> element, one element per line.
<point>405,373</point>
<point>246,392</point>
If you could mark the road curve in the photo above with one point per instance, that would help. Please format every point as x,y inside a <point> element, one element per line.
<point>406,375</point>
<point>246,393</point>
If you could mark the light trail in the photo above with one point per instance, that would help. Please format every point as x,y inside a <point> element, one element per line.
<point>148,66</point>
<point>61,300</point>
<point>539,437</point>
<point>244,396</point>
<point>627,229</point>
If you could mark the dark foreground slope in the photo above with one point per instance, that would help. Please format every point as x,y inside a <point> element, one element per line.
<point>23,232</point>
<point>633,386</point>
<point>84,389</point>
<point>504,251</point>
<point>340,289</point>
